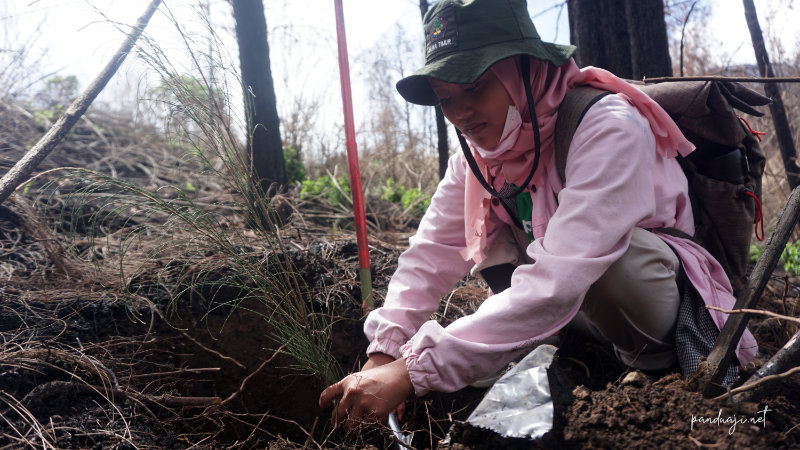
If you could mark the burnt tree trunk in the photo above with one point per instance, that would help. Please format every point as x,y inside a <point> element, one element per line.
<point>600,31</point>
<point>626,37</point>
<point>782,128</point>
<point>442,145</point>
<point>647,31</point>
<point>263,133</point>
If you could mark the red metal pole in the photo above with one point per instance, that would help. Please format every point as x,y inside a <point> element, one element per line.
<point>352,159</point>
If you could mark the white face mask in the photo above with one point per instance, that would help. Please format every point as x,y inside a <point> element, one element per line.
<point>507,138</point>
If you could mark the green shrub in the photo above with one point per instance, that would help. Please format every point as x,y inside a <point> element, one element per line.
<point>58,91</point>
<point>49,115</point>
<point>295,170</point>
<point>392,192</point>
<point>755,253</point>
<point>52,100</point>
<point>336,191</point>
<point>791,258</point>
<point>406,197</point>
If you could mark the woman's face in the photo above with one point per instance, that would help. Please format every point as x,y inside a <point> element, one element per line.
<point>478,109</point>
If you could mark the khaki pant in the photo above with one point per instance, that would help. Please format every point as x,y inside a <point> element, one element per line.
<point>634,305</point>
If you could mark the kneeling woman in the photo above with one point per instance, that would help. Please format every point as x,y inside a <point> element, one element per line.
<point>555,252</point>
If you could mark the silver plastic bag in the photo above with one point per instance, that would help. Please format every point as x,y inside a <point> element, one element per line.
<point>519,404</point>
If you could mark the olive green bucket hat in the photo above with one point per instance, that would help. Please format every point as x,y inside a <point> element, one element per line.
<point>463,38</point>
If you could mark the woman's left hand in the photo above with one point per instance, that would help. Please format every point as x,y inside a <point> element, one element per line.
<point>369,395</point>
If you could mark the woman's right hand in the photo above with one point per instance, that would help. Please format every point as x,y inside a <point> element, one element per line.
<point>379,359</point>
<point>369,395</point>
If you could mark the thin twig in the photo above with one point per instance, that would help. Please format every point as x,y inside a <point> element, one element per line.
<point>238,416</point>
<point>447,304</point>
<point>701,444</point>
<point>154,308</point>
<point>174,400</point>
<point>683,32</point>
<point>754,311</point>
<point>260,368</point>
<point>580,363</point>
<point>174,372</point>
<point>88,389</point>
<point>311,434</point>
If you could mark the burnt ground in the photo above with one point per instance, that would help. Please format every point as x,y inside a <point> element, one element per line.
<point>85,366</point>
<point>154,352</point>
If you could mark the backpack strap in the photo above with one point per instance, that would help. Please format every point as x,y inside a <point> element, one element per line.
<point>570,113</point>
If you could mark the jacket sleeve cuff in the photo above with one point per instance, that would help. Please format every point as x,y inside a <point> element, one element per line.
<point>420,376</point>
<point>389,344</point>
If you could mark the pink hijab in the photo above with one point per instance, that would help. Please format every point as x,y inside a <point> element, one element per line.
<point>512,160</point>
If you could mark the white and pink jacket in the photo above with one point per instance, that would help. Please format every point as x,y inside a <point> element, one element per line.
<point>618,179</point>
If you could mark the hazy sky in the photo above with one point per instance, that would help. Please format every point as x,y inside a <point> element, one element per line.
<point>79,39</point>
<point>81,35</point>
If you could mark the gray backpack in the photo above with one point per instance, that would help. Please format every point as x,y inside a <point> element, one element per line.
<point>724,172</point>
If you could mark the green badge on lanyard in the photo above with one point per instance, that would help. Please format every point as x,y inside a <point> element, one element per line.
<point>525,211</point>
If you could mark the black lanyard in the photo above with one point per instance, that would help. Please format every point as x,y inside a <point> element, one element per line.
<point>526,80</point>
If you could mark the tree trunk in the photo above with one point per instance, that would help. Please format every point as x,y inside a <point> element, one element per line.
<point>442,145</point>
<point>647,31</point>
<point>600,31</point>
<point>264,138</point>
<point>625,37</point>
<point>782,128</point>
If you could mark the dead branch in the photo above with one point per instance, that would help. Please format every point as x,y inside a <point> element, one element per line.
<point>208,349</point>
<point>754,311</point>
<point>311,433</point>
<point>25,166</point>
<point>765,80</point>
<point>760,382</point>
<point>239,417</point>
<point>716,365</point>
<point>788,357</point>
<point>97,131</point>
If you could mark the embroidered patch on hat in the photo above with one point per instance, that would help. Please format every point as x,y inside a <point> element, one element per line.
<point>437,28</point>
<point>442,34</point>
